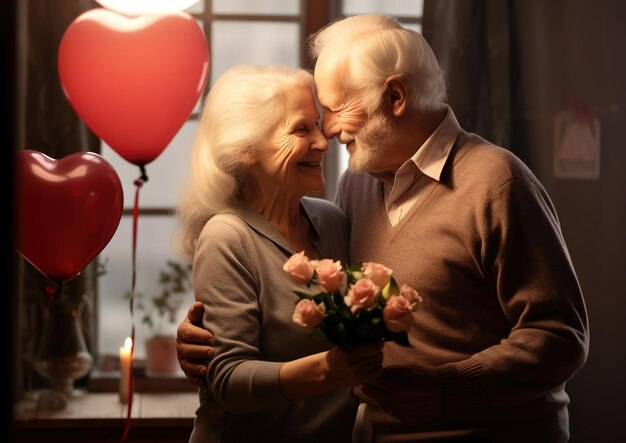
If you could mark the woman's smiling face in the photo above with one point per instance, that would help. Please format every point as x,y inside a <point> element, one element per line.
<point>293,160</point>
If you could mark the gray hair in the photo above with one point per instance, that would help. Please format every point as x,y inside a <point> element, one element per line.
<point>239,115</point>
<point>373,47</point>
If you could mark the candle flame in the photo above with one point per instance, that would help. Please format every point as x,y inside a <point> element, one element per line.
<point>128,343</point>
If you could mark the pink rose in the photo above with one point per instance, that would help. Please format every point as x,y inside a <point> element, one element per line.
<point>362,295</point>
<point>376,272</point>
<point>397,314</point>
<point>300,268</point>
<point>329,274</point>
<point>308,313</point>
<point>412,296</point>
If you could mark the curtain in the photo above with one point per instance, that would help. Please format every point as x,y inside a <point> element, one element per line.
<point>471,39</point>
<point>48,122</point>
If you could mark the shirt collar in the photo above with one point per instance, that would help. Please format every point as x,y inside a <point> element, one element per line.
<point>431,157</point>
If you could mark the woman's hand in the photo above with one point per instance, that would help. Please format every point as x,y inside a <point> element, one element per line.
<point>336,368</point>
<point>354,365</point>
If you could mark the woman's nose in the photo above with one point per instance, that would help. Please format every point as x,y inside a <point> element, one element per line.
<point>320,143</point>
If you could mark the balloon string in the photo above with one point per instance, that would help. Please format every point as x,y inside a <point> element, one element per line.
<point>138,183</point>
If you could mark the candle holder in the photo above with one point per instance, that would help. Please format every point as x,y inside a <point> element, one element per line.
<point>63,355</point>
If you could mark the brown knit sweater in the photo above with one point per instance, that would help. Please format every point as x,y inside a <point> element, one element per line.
<point>503,318</point>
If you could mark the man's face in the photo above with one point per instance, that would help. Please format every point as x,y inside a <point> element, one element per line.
<point>345,116</point>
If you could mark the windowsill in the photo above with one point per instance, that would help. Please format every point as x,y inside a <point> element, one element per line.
<point>88,409</point>
<point>100,381</point>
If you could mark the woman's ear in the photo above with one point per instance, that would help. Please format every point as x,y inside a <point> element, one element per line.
<point>397,94</point>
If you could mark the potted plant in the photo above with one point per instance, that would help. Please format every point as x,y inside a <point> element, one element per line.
<point>159,310</point>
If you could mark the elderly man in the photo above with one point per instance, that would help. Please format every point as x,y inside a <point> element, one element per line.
<point>503,325</point>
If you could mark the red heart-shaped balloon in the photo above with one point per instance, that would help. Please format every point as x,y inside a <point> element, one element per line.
<point>134,81</point>
<point>66,210</point>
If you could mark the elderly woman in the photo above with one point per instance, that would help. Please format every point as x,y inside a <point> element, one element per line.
<point>257,153</point>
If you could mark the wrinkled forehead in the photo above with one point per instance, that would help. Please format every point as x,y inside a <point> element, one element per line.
<point>329,76</point>
<point>300,102</point>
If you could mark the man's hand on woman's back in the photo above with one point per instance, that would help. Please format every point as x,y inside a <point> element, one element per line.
<point>194,346</point>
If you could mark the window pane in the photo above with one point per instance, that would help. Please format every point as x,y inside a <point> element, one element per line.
<point>260,7</point>
<point>344,155</point>
<point>196,8</point>
<point>165,174</point>
<point>154,235</point>
<point>198,106</point>
<point>414,26</point>
<point>264,43</point>
<point>390,7</point>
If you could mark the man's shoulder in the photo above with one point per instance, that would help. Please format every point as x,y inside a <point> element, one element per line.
<point>355,190</point>
<point>490,162</point>
<point>350,181</point>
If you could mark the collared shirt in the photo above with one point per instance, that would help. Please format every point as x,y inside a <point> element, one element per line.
<point>425,165</point>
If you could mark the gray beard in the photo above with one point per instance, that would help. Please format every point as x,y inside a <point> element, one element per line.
<point>371,142</point>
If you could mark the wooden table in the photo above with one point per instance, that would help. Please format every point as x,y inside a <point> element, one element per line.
<point>100,417</point>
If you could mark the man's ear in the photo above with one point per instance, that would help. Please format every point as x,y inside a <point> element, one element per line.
<point>397,94</point>
<point>249,158</point>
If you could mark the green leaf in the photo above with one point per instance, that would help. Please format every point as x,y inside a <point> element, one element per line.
<point>175,279</point>
<point>354,268</point>
<point>302,295</point>
<point>391,288</point>
<point>354,273</point>
<point>147,320</point>
<point>317,298</point>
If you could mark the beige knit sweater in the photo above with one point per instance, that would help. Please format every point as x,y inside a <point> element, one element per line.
<point>503,318</point>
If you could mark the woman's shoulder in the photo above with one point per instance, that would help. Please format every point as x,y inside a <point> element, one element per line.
<point>224,227</point>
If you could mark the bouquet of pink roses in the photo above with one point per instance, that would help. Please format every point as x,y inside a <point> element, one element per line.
<point>359,304</point>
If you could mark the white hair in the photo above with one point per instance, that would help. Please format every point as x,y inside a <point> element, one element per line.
<point>239,115</point>
<point>372,47</point>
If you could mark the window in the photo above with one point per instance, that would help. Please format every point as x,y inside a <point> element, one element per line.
<point>238,31</point>
<point>252,31</point>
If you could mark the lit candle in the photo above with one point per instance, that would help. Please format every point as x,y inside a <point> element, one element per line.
<point>125,368</point>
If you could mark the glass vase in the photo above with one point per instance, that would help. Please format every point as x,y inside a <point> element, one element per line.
<point>63,355</point>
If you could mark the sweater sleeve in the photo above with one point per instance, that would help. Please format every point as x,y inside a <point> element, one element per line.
<point>224,281</point>
<point>525,258</point>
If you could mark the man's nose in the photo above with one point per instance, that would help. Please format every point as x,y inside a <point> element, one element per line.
<point>330,126</point>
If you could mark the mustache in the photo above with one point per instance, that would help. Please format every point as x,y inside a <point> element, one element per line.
<point>345,138</point>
